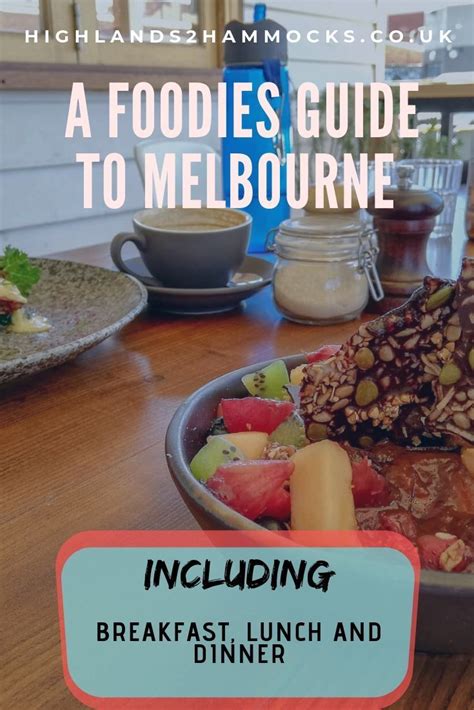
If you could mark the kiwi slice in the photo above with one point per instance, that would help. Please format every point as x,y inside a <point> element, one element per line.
<point>216,452</point>
<point>291,432</point>
<point>269,382</point>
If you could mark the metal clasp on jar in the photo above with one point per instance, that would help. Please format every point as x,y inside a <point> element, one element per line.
<point>368,252</point>
<point>270,239</point>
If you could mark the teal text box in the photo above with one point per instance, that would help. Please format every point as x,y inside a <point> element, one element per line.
<point>107,585</point>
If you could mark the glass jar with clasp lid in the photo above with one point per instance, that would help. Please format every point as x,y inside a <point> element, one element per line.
<point>325,268</point>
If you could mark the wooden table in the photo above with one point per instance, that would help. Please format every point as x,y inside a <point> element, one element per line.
<point>82,449</point>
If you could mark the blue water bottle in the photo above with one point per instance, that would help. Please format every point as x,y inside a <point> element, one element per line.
<point>258,62</point>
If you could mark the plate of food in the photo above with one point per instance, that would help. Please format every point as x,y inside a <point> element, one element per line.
<point>50,311</point>
<point>373,434</point>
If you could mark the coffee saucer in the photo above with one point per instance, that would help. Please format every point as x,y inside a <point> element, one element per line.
<point>254,274</point>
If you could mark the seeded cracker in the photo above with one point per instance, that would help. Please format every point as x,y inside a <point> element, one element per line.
<point>453,412</point>
<point>404,374</point>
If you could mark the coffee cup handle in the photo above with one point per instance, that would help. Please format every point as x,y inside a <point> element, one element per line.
<point>116,253</point>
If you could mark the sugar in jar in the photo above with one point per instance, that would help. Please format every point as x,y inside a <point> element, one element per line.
<point>325,268</point>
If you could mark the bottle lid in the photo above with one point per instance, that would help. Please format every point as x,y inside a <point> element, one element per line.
<point>329,225</point>
<point>409,201</point>
<point>257,52</point>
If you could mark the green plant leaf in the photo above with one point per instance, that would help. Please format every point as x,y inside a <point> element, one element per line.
<point>17,268</point>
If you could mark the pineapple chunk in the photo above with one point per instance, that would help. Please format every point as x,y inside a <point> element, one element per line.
<point>321,488</point>
<point>251,443</point>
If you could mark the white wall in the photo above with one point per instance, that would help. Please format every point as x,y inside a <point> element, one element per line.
<point>41,184</point>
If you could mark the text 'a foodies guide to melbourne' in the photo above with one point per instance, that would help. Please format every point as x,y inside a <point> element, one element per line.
<point>195,117</point>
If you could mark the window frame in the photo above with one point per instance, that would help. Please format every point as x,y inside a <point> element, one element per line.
<point>204,56</point>
<point>54,66</point>
<point>55,15</point>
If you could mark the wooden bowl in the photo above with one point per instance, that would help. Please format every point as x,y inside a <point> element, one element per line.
<point>446,605</point>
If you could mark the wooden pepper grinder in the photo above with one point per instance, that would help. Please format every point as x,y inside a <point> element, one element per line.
<point>403,233</point>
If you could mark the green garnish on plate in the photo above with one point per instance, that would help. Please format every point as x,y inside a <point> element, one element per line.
<point>16,267</point>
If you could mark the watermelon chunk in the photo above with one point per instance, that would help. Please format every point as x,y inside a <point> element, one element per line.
<point>254,488</point>
<point>323,353</point>
<point>279,506</point>
<point>392,519</point>
<point>432,547</point>
<point>369,488</point>
<point>399,521</point>
<point>254,414</point>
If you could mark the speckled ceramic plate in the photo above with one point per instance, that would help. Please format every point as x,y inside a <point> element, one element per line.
<point>84,304</point>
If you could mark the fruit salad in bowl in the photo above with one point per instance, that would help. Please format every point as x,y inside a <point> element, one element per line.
<point>373,434</point>
<point>258,460</point>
